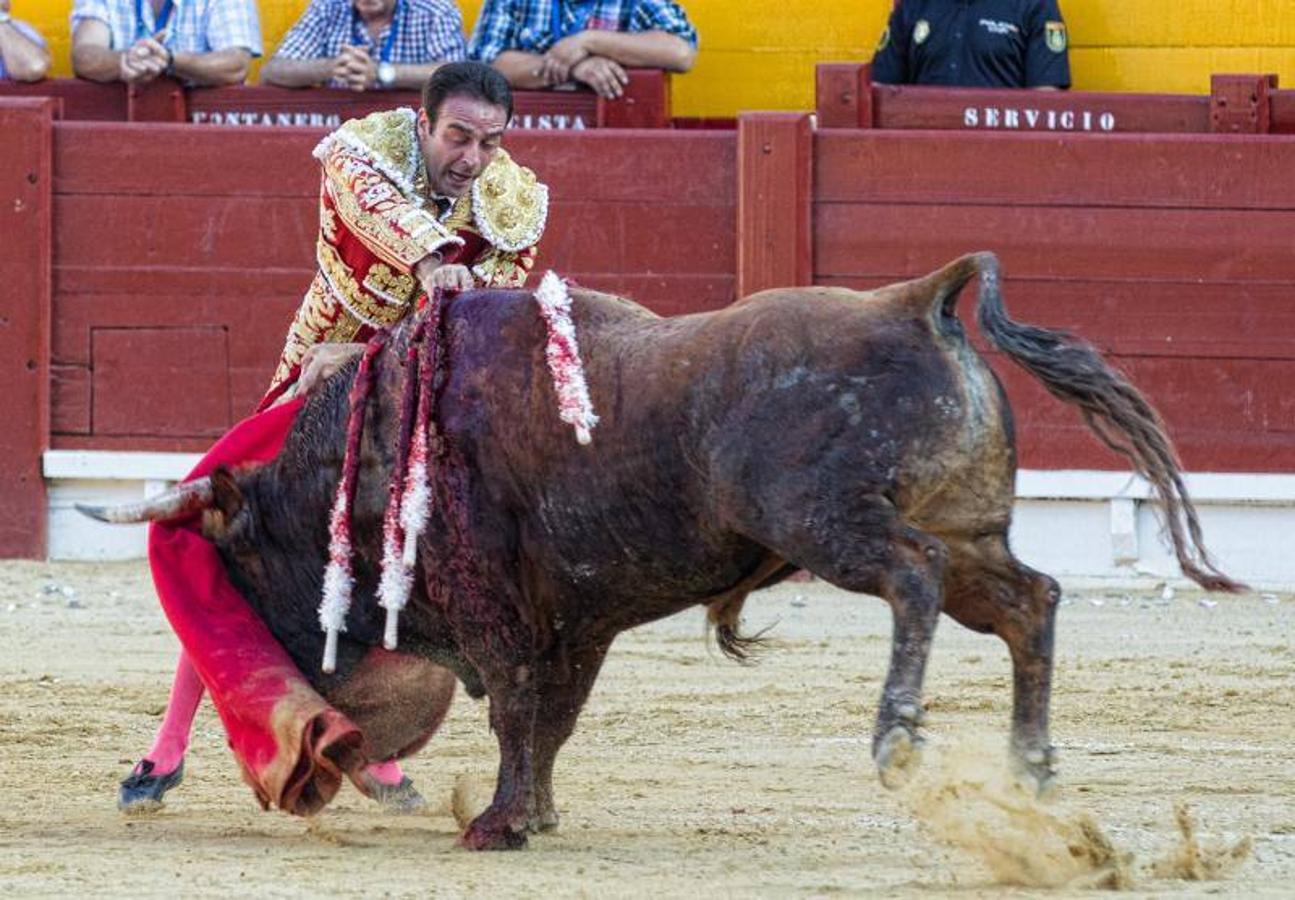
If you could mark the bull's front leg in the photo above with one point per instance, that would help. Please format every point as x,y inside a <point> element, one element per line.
<point>562,694</point>
<point>503,825</point>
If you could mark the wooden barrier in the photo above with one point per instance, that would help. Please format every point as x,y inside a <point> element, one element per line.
<point>1248,104</point>
<point>1182,269</point>
<point>25,217</point>
<point>167,331</point>
<point>645,104</point>
<point>775,173</point>
<point>169,259</point>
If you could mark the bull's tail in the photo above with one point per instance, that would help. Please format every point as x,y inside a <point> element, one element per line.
<point>725,616</point>
<point>1074,372</point>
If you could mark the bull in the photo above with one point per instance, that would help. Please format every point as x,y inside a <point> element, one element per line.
<point>857,436</point>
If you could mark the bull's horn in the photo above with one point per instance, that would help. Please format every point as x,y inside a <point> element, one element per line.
<point>179,501</point>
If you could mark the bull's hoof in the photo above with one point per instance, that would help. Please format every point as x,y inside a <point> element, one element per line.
<point>488,833</point>
<point>898,755</point>
<point>541,822</point>
<point>1036,771</point>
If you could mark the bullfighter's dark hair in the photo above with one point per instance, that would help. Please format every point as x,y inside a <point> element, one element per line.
<point>466,79</point>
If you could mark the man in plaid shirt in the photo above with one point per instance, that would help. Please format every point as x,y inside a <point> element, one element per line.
<point>366,44</point>
<point>542,43</point>
<point>205,42</point>
<point>24,56</point>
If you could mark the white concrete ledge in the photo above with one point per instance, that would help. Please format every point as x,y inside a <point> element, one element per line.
<point>1205,487</point>
<point>1083,527</point>
<point>116,465</point>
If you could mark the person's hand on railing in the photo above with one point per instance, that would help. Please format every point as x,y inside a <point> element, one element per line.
<point>557,64</point>
<point>144,60</point>
<point>607,78</point>
<point>356,68</point>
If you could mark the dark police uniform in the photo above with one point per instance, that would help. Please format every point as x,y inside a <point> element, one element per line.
<point>974,43</point>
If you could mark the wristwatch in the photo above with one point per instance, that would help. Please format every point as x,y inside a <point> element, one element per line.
<point>386,74</point>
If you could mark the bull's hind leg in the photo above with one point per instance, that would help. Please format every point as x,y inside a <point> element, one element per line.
<point>863,546</point>
<point>989,590</point>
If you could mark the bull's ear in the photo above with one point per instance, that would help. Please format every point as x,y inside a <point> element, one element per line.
<point>226,503</point>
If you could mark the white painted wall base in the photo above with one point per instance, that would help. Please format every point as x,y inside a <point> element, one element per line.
<point>1083,527</point>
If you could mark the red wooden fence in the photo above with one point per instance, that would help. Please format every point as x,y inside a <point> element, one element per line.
<point>1237,104</point>
<point>1173,254</point>
<point>169,259</point>
<point>173,284</point>
<point>645,104</point>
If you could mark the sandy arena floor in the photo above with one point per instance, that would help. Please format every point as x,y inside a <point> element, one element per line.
<point>689,775</point>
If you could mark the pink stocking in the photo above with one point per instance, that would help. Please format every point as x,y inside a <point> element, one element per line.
<point>172,739</point>
<point>388,773</point>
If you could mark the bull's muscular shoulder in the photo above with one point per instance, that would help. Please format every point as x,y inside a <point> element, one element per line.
<point>509,204</point>
<point>387,140</point>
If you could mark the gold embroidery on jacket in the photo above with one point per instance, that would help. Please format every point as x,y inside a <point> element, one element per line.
<point>509,205</point>
<point>328,224</point>
<point>398,232</point>
<point>498,269</point>
<point>318,319</point>
<point>390,286</point>
<point>368,308</point>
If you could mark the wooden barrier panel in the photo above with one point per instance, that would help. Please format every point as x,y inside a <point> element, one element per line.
<point>645,104</point>
<point>79,100</point>
<point>1172,253</point>
<point>26,127</point>
<point>775,174</point>
<point>194,270</point>
<point>1246,104</point>
<point>1283,112</point>
<point>178,254</point>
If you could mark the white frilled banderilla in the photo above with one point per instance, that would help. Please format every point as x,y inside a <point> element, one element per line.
<point>409,493</point>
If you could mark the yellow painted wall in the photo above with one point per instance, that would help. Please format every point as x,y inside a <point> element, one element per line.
<point>760,54</point>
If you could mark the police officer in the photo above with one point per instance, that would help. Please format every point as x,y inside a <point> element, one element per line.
<point>974,43</point>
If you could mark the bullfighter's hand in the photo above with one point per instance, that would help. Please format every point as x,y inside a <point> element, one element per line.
<point>562,57</point>
<point>450,277</point>
<point>605,76</point>
<point>321,361</point>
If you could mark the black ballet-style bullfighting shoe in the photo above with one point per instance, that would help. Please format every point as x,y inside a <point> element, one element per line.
<point>141,790</point>
<point>402,798</point>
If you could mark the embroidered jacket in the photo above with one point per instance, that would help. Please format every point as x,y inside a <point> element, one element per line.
<point>377,220</point>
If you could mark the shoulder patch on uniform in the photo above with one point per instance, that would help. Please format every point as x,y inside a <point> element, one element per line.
<point>387,140</point>
<point>1055,33</point>
<point>509,205</point>
<point>921,31</point>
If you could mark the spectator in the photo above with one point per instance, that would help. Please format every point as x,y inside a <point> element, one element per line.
<point>366,44</point>
<point>543,43</point>
<point>974,43</point>
<point>23,54</point>
<point>203,42</point>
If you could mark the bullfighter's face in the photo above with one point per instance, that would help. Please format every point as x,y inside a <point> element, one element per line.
<point>460,143</point>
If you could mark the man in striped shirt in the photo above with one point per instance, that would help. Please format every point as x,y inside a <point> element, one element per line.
<point>545,43</point>
<point>367,44</point>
